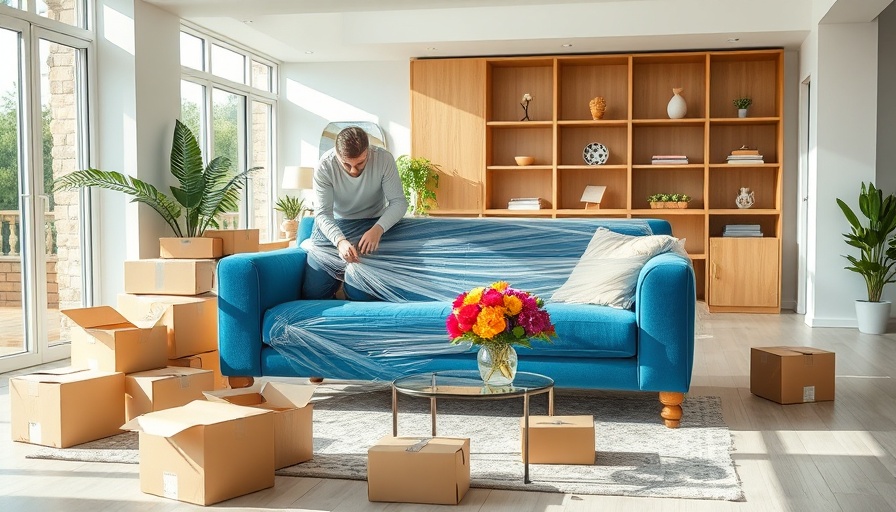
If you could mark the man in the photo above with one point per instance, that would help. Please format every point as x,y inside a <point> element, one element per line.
<point>354,184</point>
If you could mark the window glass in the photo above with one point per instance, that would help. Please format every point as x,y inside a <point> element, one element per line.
<point>261,76</point>
<point>192,103</point>
<point>229,130</point>
<point>191,51</point>
<point>260,180</point>
<point>228,64</point>
<point>70,12</point>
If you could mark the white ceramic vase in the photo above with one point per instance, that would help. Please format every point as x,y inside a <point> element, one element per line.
<point>677,107</point>
<point>873,316</point>
<point>741,112</point>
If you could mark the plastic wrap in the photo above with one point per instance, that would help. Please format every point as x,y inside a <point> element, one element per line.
<point>421,266</point>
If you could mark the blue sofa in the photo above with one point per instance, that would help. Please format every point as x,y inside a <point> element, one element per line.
<point>647,348</point>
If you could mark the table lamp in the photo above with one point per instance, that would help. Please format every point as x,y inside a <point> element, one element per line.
<point>296,178</point>
<point>592,196</point>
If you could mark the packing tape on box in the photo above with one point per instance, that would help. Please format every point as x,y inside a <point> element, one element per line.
<point>554,422</point>
<point>416,447</point>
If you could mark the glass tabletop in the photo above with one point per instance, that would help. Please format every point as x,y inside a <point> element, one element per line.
<point>468,384</point>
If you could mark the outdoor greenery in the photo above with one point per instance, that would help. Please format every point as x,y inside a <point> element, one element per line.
<point>419,175</point>
<point>875,261</point>
<point>203,194</point>
<point>9,153</point>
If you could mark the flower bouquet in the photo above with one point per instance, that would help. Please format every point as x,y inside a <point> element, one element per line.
<point>496,318</point>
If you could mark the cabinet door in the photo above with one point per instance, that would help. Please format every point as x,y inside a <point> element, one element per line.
<point>743,272</point>
<point>448,127</point>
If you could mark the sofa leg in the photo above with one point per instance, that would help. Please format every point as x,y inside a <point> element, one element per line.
<point>240,382</point>
<point>672,408</point>
<point>315,380</point>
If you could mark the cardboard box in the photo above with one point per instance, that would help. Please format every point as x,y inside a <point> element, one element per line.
<point>66,407</point>
<point>206,361</point>
<point>559,439</point>
<point>103,339</point>
<point>235,241</point>
<point>191,248</point>
<point>190,322</point>
<point>164,388</point>
<point>418,470</point>
<point>169,277</point>
<point>293,438</point>
<point>205,452</point>
<point>792,375</point>
<point>273,246</point>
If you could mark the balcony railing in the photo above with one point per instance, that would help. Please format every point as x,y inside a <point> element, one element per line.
<point>11,233</point>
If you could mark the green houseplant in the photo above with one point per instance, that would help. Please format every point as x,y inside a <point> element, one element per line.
<point>877,251</point>
<point>202,194</point>
<point>291,207</point>
<point>419,179</point>
<point>742,104</point>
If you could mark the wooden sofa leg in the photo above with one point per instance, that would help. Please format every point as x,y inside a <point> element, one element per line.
<point>240,382</point>
<point>316,380</point>
<point>672,408</point>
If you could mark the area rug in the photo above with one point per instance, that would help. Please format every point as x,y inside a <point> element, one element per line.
<point>635,454</point>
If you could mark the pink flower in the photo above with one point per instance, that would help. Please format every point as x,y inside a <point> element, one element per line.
<point>467,315</point>
<point>492,297</point>
<point>453,328</point>
<point>459,301</point>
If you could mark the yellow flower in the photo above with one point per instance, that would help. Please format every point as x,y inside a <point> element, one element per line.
<point>500,285</point>
<point>513,305</point>
<point>474,296</point>
<point>490,322</point>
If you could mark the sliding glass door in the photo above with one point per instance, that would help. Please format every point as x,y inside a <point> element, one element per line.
<point>42,234</point>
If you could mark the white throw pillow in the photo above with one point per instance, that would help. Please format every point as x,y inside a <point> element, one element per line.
<point>607,272</point>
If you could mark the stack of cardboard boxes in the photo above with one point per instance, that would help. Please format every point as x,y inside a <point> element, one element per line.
<point>147,366</point>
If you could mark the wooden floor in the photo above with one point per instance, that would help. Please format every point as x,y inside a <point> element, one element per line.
<point>814,457</point>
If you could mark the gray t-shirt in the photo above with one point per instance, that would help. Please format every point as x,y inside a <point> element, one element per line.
<point>376,193</point>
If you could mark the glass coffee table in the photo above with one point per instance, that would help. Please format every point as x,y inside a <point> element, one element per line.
<point>468,385</point>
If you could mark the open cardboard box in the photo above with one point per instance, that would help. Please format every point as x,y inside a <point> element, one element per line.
<point>418,470</point>
<point>66,406</point>
<point>207,361</point>
<point>293,414</point>
<point>103,339</point>
<point>190,323</point>
<point>205,452</point>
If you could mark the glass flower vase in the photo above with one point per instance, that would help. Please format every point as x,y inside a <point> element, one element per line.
<point>497,364</point>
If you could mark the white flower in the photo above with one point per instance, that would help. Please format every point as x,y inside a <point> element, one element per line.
<point>526,97</point>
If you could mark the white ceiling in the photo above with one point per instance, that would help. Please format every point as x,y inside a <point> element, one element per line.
<point>371,30</point>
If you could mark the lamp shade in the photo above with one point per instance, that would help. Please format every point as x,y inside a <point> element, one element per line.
<point>593,193</point>
<point>297,178</point>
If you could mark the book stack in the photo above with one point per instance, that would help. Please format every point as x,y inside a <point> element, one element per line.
<point>742,230</point>
<point>527,203</point>
<point>669,159</point>
<point>745,156</point>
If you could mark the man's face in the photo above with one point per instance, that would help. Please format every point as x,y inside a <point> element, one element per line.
<point>355,166</point>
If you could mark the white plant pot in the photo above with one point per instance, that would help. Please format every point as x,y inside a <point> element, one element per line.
<point>741,112</point>
<point>873,316</point>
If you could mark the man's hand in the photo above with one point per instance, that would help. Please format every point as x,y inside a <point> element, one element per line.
<point>370,241</point>
<point>347,251</point>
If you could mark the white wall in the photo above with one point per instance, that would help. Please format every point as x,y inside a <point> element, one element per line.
<point>886,101</point>
<point>845,88</point>
<point>789,247</point>
<point>313,95</point>
<point>137,99</point>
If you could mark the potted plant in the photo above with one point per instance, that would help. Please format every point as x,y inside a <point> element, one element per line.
<point>202,194</point>
<point>669,200</point>
<point>292,208</point>
<point>742,104</point>
<point>419,179</point>
<point>877,254</point>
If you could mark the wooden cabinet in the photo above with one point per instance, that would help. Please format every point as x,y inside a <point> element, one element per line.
<point>743,273</point>
<point>466,116</point>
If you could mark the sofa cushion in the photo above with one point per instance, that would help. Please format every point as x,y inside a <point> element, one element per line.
<point>360,331</point>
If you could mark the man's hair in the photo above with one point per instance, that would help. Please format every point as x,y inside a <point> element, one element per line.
<point>351,142</point>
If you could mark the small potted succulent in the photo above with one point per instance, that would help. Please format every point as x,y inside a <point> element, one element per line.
<point>292,208</point>
<point>742,104</point>
<point>669,200</point>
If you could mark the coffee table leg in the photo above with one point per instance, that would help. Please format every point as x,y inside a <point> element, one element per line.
<point>551,402</point>
<point>394,412</point>
<point>526,439</point>
<point>432,410</point>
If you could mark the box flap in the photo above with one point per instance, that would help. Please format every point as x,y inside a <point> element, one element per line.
<point>96,317</point>
<point>167,372</point>
<point>792,351</point>
<point>223,395</point>
<point>279,394</point>
<point>559,422</point>
<point>169,422</point>
<point>61,375</point>
<point>433,444</point>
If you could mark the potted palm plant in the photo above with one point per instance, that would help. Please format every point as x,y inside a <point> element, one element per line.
<point>292,208</point>
<point>202,195</point>
<point>419,179</point>
<point>877,254</point>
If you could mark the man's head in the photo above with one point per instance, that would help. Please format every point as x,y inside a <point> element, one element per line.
<point>352,150</point>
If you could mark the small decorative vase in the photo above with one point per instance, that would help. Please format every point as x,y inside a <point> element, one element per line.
<point>289,228</point>
<point>677,107</point>
<point>598,106</point>
<point>497,364</point>
<point>741,112</point>
<point>745,198</point>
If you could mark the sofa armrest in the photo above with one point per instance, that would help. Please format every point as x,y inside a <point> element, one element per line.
<point>248,285</point>
<point>665,302</point>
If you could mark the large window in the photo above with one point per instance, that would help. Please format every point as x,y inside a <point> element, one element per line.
<point>229,100</point>
<point>70,12</point>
